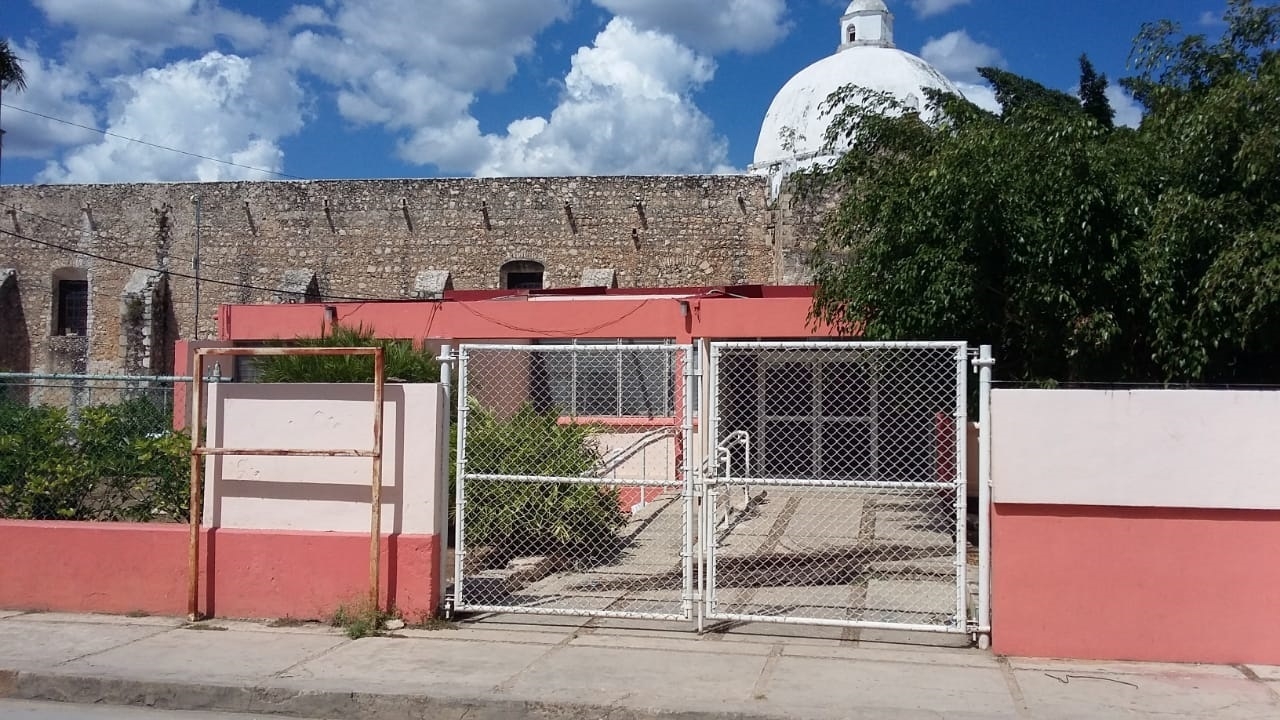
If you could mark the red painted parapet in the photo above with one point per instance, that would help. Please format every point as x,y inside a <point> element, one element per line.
<point>124,568</point>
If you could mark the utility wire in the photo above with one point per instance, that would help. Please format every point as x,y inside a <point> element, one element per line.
<point>108,133</point>
<point>98,233</point>
<point>175,273</point>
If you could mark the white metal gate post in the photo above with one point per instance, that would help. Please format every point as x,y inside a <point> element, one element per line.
<point>687,473</point>
<point>459,482</point>
<point>984,363</point>
<point>442,513</point>
<point>960,424</point>
<point>710,460</point>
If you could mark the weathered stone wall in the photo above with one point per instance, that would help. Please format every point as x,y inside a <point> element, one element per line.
<point>366,239</point>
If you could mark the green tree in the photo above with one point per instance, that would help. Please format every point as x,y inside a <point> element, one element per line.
<point>1093,94</point>
<point>11,75</point>
<point>1083,252</point>
<point>1011,229</point>
<point>1211,257</point>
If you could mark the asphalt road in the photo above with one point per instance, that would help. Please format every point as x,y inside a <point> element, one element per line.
<point>24,710</point>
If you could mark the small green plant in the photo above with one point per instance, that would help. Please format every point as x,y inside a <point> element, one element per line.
<point>432,623</point>
<point>538,517</point>
<point>401,361</point>
<point>360,620</point>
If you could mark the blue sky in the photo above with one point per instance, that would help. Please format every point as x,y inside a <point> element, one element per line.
<point>424,88</point>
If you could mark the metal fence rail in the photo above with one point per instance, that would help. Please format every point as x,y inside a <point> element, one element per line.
<point>91,447</point>
<point>851,503</point>
<point>572,480</point>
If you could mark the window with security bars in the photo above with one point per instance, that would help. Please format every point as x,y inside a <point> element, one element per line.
<point>838,414</point>
<point>73,307</point>
<point>601,380</point>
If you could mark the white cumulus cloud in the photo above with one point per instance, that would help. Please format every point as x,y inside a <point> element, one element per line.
<point>220,106</point>
<point>396,66</point>
<point>54,90</point>
<point>929,8</point>
<point>958,56</point>
<point>122,34</point>
<point>712,26</point>
<point>626,108</point>
<point>1128,111</point>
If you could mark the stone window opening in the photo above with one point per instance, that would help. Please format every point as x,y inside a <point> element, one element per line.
<point>853,34</point>
<point>71,302</point>
<point>522,275</point>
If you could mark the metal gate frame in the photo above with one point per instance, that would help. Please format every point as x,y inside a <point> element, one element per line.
<point>959,621</point>
<point>700,369</point>
<point>684,373</point>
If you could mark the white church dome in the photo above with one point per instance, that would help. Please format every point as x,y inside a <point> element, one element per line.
<point>794,129</point>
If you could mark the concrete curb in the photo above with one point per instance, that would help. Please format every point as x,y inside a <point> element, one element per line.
<point>335,704</point>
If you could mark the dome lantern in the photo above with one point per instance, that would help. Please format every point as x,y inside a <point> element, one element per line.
<point>866,22</point>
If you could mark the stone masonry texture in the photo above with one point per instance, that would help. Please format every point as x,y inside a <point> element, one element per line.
<point>362,239</point>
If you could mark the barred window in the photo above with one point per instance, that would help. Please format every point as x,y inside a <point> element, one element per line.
<point>70,302</point>
<point>606,382</point>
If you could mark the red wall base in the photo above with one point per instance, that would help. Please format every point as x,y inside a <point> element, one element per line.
<point>1156,584</point>
<point>123,568</point>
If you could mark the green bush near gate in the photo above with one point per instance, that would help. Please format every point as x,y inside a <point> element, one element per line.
<point>516,518</point>
<point>402,361</point>
<point>111,462</point>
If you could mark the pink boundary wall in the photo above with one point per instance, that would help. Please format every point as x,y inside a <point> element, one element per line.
<point>125,568</point>
<point>1155,584</point>
<point>1136,525</point>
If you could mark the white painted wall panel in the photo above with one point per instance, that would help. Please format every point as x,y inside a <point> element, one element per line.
<point>1141,448</point>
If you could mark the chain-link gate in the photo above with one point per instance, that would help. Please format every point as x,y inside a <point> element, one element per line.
<point>835,484</point>
<point>573,480</point>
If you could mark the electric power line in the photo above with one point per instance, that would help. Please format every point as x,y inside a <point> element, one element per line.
<point>108,133</point>
<point>174,273</point>
<point>98,233</point>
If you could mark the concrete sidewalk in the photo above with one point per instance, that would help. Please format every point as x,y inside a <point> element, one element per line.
<point>569,668</point>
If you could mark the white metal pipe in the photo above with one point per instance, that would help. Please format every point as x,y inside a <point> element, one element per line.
<point>789,620</point>
<point>569,612</point>
<point>838,484</point>
<point>985,363</point>
<point>460,470</point>
<point>617,457</point>
<point>569,480</point>
<point>442,515</point>
<point>655,348</point>
<point>844,345</point>
<point>961,424</point>
<point>687,477</point>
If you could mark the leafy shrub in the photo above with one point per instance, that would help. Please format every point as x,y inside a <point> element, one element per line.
<point>401,361</point>
<point>41,478</point>
<point>535,517</point>
<point>114,462</point>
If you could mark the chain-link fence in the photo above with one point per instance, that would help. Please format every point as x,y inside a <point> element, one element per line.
<point>571,484</point>
<point>91,448</point>
<point>838,484</point>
